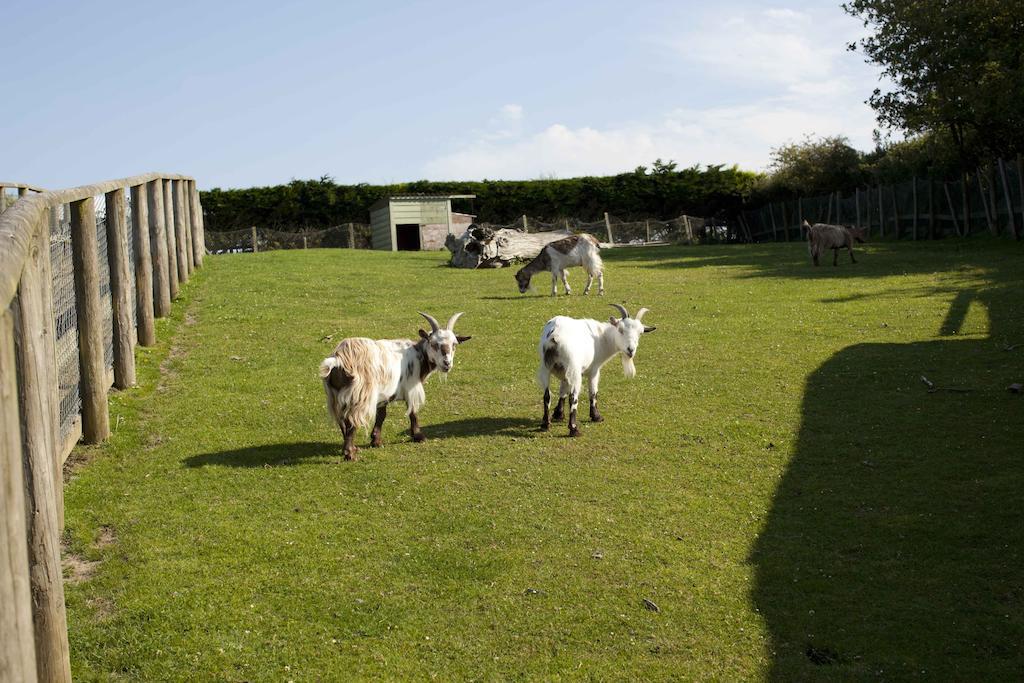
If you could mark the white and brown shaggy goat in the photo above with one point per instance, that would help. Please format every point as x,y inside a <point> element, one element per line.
<point>822,236</point>
<point>571,348</point>
<point>364,375</point>
<point>574,250</point>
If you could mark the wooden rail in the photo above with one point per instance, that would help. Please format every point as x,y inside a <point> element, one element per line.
<point>22,188</point>
<point>167,234</point>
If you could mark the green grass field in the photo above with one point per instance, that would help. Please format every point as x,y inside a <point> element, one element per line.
<point>777,479</point>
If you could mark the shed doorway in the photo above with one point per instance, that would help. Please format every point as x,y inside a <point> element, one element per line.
<point>408,237</point>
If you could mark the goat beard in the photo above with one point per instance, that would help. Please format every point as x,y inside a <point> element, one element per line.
<point>628,368</point>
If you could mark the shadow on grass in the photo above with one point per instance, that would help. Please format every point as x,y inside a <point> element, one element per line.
<point>791,260</point>
<point>481,426</point>
<point>268,454</point>
<point>894,547</point>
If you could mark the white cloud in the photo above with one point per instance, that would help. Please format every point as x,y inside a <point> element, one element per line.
<point>742,135</point>
<point>794,64</point>
<point>511,112</point>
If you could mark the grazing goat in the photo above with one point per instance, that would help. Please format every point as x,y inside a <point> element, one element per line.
<point>574,250</point>
<point>571,348</point>
<point>821,236</point>
<point>363,375</point>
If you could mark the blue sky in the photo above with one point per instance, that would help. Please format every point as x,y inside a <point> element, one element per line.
<point>242,94</point>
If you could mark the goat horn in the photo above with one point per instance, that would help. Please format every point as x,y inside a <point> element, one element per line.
<point>434,327</point>
<point>640,313</point>
<point>621,309</point>
<point>451,321</point>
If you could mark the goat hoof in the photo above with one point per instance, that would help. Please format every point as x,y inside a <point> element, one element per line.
<point>350,455</point>
<point>557,417</point>
<point>418,437</point>
<point>574,431</point>
<point>376,443</point>
<point>596,418</point>
<point>545,426</point>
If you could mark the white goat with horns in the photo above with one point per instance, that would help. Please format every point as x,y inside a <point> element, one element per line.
<point>571,348</point>
<point>363,375</point>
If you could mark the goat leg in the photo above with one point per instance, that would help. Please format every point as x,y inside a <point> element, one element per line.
<point>559,413</point>
<point>545,424</point>
<point>414,428</point>
<point>382,412</point>
<point>574,400</point>
<point>350,449</point>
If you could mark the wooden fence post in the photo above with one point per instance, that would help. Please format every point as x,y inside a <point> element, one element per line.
<point>952,209</point>
<point>120,290</point>
<point>187,213</point>
<point>35,342</point>
<point>608,227</point>
<point>305,243</point>
<point>839,208</point>
<point>172,238</point>
<point>351,236</point>
<point>1020,182</point>
<point>965,180</point>
<point>896,224</point>
<point>914,224</point>
<point>3,199</point>
<point>17,649</point>
<point>180,244</point>
<point>800,216</point>
<point>158,249</point>
<point>881,212</point>
<point>689,229</point>
<point>931,208</point>
<point>255,246</point>
<point>95,415</point>
<point>52,380</point>
<point>991,177</point>
<point>198,231</point>
<point>143,267</point>
<point>989,218</point>
<point>1009,202</point>
<point>526,226</point>
<point>647,225</point>
<point>856,200</point>
<point>771,217</point>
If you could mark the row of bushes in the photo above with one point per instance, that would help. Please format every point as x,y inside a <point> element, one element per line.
<point>660,191</point>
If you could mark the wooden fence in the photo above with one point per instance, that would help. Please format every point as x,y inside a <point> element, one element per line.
<point>7,197</point>
<point>990,200</point>
<point>123,274</point>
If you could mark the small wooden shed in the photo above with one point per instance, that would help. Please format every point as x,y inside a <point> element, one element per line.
<point>416,222</point>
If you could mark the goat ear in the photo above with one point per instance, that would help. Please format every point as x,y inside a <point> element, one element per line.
<point>462,339</point>
<point>423,333</point>
<point>649,329</point>
<point>614,321</point>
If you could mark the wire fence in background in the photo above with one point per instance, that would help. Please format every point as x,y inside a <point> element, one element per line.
<point>988,201</point>
<point>614,231</point>
<point>345,236</point>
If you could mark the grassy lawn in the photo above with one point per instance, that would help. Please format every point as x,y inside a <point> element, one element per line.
<point>777,479</point>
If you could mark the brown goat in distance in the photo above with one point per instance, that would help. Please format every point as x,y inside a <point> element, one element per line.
<point>821,236</point>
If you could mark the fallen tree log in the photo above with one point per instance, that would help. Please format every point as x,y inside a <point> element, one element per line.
<point>483,247</point>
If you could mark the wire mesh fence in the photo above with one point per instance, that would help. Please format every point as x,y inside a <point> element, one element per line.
<point>614,231</point>
<point>65,319</point>
<point>989,200</point>
<point>104,272</point>
<point>346,236</point>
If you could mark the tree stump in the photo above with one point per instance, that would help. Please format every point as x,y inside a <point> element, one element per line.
<point>484,247</point>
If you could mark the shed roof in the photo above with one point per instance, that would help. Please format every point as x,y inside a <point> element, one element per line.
<point>384,201</point>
